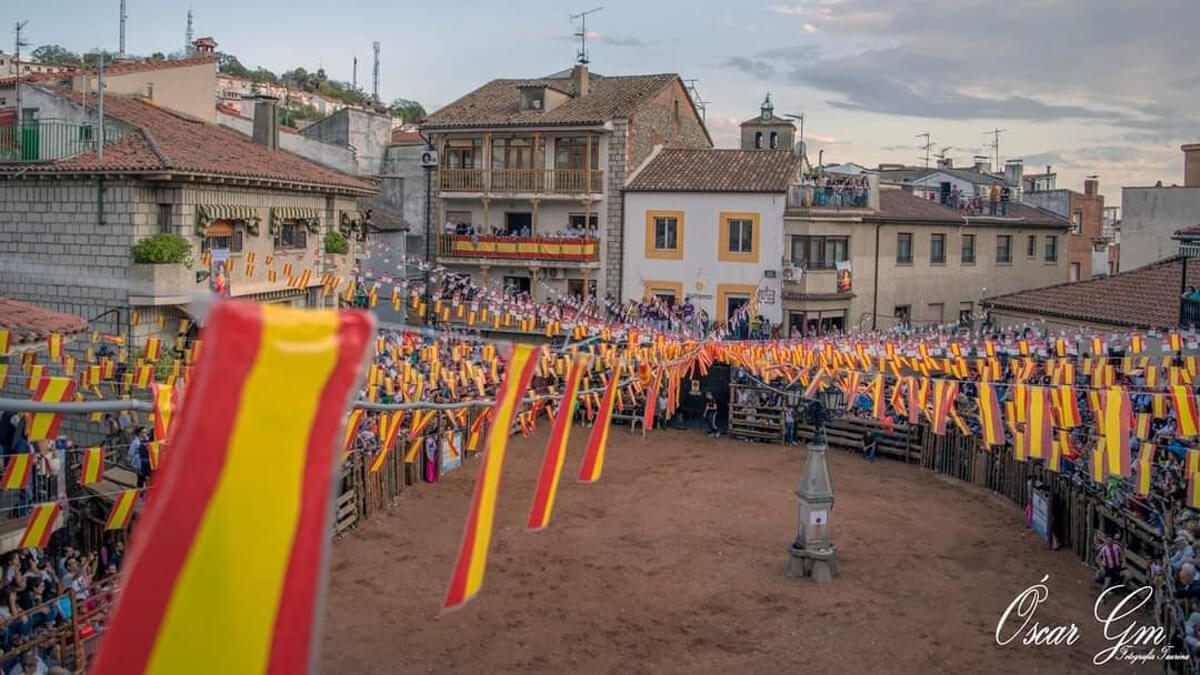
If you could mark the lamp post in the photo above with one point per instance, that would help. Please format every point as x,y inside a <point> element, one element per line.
<point>813,553</point>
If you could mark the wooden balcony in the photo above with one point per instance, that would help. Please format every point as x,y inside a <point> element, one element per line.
<point>541,250</point>
<point>532,181</point>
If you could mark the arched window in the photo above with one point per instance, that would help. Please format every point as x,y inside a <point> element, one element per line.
<point>774,140</point>
<point>758,140</point>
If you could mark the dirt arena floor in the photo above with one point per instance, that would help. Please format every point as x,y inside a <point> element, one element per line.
<point>673,563</point>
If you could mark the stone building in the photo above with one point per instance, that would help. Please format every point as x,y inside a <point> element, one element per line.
<point>67,226</point>
<point>767,131</point>
<point>530,160</point>
<point>1089,252</point>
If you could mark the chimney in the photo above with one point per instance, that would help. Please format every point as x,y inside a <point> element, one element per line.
<point>1091,187</point>
<point>579,78</point>
<point>266,122</point>
<point>1013,170</point>
<point>982,165</point>
<point>1191,164</point>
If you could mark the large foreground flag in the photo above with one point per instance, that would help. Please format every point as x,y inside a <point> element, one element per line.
<point>593,458</point>
<point>225,556</point>
<point>49,390</point>
<point>477,537</point>
<point>556,448</point>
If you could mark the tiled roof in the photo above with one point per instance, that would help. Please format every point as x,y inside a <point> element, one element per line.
<point>900,205</point>
<point>33,78</point>
<point>384,217</point>
<point>914,173</point>
<point>31,323</point>
<point>1189,231</point>
<point>164,140</point>
<point>497,103</point>
<point>401,137</point>
<point>712,170</point>
<point>163,64</point>
<point>1147,297</point>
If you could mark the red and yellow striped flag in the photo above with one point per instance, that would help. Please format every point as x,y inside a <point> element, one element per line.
<point>477,536</point>
<point>1185,411</point>
<point>1067,406</point>
<point>144,376</point>
<point>93,465</point>
<point>593,458</point>
<point>271,378</point>
<point>350,431</point>
<point>1137,344</point>
<point>420,418</point>
<point>944,393</point>
<point>1097,465</point>
<point>389,428</point>
<point>40,526</point>
<point>122,510</point>
<point>1193,490</point>
<point>5,341</point>
<point>1145,469</point>
<point>1115,428</point>
<point>164,399</point>
<point>16,473</point>
<point>50,390</point>
<point>556,448</point>
<point>878,401</point>
<point>153,349</point>
<point>1175,342</point>
<point>477,431</point>
<point>649,407</point>
<point>1141,426</point>
<point>1038,423</point>
<point>54,346</point>
<point>989,415</point>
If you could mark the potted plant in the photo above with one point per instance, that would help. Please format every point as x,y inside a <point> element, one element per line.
<point>162,265</point>
<point>335,242</point>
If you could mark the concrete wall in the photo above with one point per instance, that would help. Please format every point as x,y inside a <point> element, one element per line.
<point>699,273</point>
<point>366,134</point>
<point>1090,211</point>
<point>338,157</point>
<point>404,162</point>
<point>187,89</point>
<point>1149,216</point>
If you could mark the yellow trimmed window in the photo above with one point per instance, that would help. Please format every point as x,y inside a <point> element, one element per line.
<point>732,296</point>
<point>739,237</point>
<point>670,292</point>
<point>664,235</point>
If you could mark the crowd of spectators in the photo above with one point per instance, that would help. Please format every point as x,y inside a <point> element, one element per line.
<point>835,190</point>
<point>571,231</point>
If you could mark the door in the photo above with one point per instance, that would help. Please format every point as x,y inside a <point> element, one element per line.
<point>518,224</point>
<point>733,303</point>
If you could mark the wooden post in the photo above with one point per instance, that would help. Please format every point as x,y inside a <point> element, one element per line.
<point>78,646</point>
<point>587,164</point>
<point>533,225</point>
<point>487,228</point>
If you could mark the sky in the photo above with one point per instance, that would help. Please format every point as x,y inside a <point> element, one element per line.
<point>1095,87</point>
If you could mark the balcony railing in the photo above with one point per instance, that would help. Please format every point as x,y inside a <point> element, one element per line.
<point>547,249</point>
<point>834,194</point>
<point>48,140</point>
<point>1189,313</point>
<point>539,181</point>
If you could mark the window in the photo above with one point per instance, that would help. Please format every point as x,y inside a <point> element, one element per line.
<point>675,114</point>
<point>1031,246</point>
<point>937,312</point>
<point>569,153</point>
<point>464,154</point>
<point>1074,272</point>
<point>816,252</point>
<point>965,310</point>
<point>1076,222</point>
<point>937,249</point>
<point>587,221</point>
<point>758,140</point>
<point>458,217</point>
<point>902,314</point>
<point>292,235</point>
<point>518,224</point>
<point>904,248</point>
<point>222,235</point>
<point>968,249</point>
<point>512,153</point>
<point>1004,249</point>
<point>664,235</point>
<point>517,284</point>
<point>164,218</point>
<point>575,288</point>
<point>741,235</point>
<point>1051,248</point>
<point>774,140</point>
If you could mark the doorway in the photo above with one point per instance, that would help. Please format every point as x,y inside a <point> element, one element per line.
<point>518,224</point>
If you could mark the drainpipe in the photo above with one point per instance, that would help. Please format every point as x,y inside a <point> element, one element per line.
<point>875,291</point>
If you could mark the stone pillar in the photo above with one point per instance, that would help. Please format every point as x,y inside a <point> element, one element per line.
<point>813,553</point>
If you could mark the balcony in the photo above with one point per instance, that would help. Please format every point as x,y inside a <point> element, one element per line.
<point>530,181</point>
<point>524,250</point>
<point>48,140</point>
<point>833,194</point>
<point>1189,313</point>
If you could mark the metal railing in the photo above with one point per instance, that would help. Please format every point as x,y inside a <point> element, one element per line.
<point>47,140</point>
<point>538,181</point>
<point>1189,313</point>
<point>560,249</point>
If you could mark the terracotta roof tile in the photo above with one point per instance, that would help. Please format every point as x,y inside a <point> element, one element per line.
<point>164,140</point>
<point>1147,297</point>
<point>163,64</point>
<point>497,103</point>
<point>713,170</point>
<point>31,323</point>
<point>401,137</point>
<point>901,205</point>
<point>1189,230</point>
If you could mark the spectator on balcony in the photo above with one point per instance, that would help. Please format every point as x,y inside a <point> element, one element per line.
<point>955,194</point>
<point>994,200</point>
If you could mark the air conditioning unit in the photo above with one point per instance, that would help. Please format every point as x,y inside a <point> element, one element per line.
<point>429,158</point>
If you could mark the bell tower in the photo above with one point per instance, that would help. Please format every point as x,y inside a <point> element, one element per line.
<point>766,131</point>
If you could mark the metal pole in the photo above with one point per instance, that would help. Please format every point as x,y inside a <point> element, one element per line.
<point>17,85</point>
<point>100,110</point>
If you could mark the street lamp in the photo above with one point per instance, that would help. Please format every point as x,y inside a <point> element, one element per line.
<point>813,554</point>
<point>800,117</point>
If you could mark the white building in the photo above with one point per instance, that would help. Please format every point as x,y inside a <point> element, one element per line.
<point>1151,215</point>
<point>707,226</point>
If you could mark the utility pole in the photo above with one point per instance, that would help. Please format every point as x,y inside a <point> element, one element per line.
<point>100,111</point>
<point>582,57</point>
<point>17,87</point>
<point>121,49</point>
<point>926,146</point>
<point>375,75</point>
<point>995,145</point>
<point>800,117</point>
<point>354,77</point>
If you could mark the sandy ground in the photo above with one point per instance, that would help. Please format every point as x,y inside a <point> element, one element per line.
<point>673,563</point>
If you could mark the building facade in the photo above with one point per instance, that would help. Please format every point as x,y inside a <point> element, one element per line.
<point>527,191</point>
<point>1151,215</point>
<point>704,227</point>
<point>1091,251</point>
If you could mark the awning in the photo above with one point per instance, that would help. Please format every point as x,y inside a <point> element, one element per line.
<point>206,214</point>
<point>309,217</point>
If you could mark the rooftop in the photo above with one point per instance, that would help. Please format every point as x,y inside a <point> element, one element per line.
<point>899,205</point>
<point>31,323</point>
<point>713,170</point>
<point>498,103</point>
<point>122,68</point>
<point>1147,297</point>
<point>912,174</point>
<point>167,141</point>
<point>402,137</point>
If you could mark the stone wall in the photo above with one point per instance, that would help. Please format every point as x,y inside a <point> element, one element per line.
<point>614,237</point>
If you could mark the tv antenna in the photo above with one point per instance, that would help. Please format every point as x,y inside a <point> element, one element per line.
<point>926,146</point>
<point>696,99</point>
<point>581,17</point>
<point>995,145</point>
<point>941,155</point>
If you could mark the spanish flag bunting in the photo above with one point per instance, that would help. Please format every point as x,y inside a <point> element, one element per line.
<point>914,401</point>
<point>878,401</point>
<point>1020,438</point>
<point>122,510</point>
<point>1158,404</point>
<point>1152,377</point>
<point>350,432</point>
<point>1137,344</point>
<point>944,393</point>
<point>1056,453</point>
<point>16,473</point>
<point>3,375</point>
<point>556,449</point>
<point>1115,427</point>
<point>989,348</point>
<point>389,426</point>
<point>54,346</point>
<point>35,376</point>
<point>68,364</point>
<point>1145,469</point>
<point>1175,342</point>
<point>133,318</point>
<point>1141,426</point>
<point>420,419</point>
<point>272,277</point>
<point>1021,402</point>
<point>93,465</point>
<point>472,556</point>
<point>5,341</point>
<point>413,448</point>
<point>593,459</point>
<point>1185,411</point>
<point>287,269</point>
<point>164,400</point>
<point>1193,490</point>
<point>49,390</point>
<point>144,376</point>
<point>276,379</point>
<point>1038,425</point>
<point>162,321</point>
<point>1067,405</point>
<point>40,526</point>
<point>1098,463</point>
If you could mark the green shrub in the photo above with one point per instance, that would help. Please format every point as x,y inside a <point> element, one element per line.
<point>163,249</point>
<point>336,243</point>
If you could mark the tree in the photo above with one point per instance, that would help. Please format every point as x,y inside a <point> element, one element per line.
<point>229,64</point>
<point>56,55</point>
<point>407,110</point>
<point>261,75</point>
<point>158,56</point>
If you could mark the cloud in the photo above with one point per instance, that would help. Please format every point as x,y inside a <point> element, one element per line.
<point>760,69</point>
<point>808,28</point>
<point>595,37</point>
